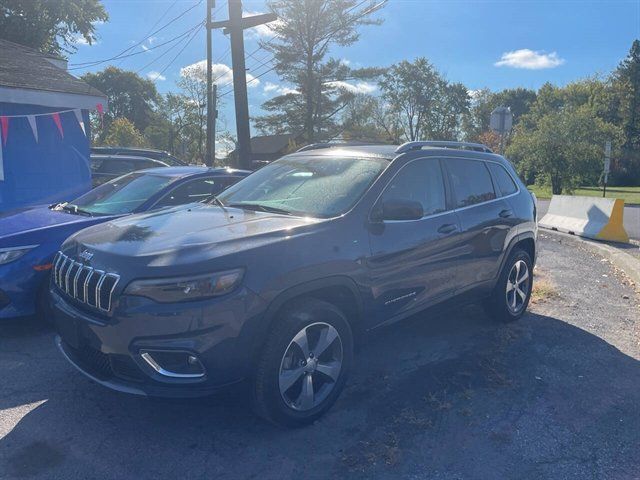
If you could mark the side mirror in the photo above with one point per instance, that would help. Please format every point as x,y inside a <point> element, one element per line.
<point>397,209</point>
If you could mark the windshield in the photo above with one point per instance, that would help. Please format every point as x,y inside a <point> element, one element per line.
<point>319,186</point>
<point>121,195</point>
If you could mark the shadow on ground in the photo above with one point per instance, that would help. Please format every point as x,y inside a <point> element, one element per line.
<point>446,396</point>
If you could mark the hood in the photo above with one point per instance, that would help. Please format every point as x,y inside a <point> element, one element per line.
<point>181,236</point>
<point>30,222</point>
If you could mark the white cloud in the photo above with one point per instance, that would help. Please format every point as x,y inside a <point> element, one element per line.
<point>345,61</point>
<point>222,74</point>
<point>144,47</point>
<point>151,40</point>
<point>278,89</point>
<point>529,59</point>
<point>156,76</point>
<point>360,87</point>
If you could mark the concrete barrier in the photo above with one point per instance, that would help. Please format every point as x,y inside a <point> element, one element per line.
<point>591,217</point>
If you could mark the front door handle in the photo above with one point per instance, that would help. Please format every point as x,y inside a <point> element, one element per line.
<point>506,213</point>
<point>447,228</point>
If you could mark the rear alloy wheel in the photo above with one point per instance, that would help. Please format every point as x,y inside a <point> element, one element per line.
<point>517,290</point>
<point>510,298</point>
<point>304,364</point>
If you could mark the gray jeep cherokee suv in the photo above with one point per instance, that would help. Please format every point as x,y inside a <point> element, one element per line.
<point>272,281</point>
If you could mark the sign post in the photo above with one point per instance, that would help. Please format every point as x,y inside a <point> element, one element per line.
<point>501,122</point>
<point>607,166</point>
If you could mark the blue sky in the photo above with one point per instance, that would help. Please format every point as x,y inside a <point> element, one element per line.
<point>482,43</point>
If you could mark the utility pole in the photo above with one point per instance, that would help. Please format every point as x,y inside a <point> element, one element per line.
<point>235,27</point>
<point>210,155</point>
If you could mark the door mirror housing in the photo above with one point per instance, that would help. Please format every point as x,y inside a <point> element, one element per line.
<point>397,209</point>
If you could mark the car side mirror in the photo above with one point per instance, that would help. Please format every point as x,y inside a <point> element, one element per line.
<point>397,209</point>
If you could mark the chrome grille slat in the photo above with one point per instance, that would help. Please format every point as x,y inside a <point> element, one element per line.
<point>67,275</point>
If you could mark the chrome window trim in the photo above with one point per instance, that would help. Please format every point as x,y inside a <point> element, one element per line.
<point>454,210</point>
<point>490,175</point>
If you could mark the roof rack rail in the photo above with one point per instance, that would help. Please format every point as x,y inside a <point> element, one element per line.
<point>317,146</point>
<point>347,143</point>
<point>478,147</point>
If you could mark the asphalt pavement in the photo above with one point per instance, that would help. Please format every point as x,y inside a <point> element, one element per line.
<point>631,217</point>
<point>448,395</point>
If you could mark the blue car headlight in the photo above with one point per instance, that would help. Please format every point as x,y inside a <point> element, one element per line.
<point>183,289</point>
<point>9,254</point>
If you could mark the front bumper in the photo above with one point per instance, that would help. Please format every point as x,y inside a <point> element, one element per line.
<point>219,332</point>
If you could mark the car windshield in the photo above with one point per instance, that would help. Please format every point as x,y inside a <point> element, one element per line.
<point>121,195</point>
<point>318,186</point>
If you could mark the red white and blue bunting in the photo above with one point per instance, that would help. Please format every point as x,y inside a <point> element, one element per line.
<point>6,120</point>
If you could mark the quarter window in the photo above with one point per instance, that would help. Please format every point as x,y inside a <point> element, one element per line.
<point>504,181</point>
<point>471,181</point>
<point>419,181</point>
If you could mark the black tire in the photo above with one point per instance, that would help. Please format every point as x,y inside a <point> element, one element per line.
<point>497,305</point>
<point>268,401</point>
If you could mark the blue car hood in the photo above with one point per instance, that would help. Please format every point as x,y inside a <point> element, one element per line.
<point>183,235</point>
<point>38,222</point>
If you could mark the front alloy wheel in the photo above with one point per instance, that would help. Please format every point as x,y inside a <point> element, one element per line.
<point>303,366</point>
<point>310,366</point>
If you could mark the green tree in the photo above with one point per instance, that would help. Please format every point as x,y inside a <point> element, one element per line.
<point>304,34</point>
<point>130,96</point>
<point>563,147</point>
<point>50,26</point>
<point>626,84</point>
<point>124,133</point>
<point>424,103</point>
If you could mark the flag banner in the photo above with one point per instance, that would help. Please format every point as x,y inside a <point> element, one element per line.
<point>1,165</point>
<point>4,123</point>
<point>56,119</point>
<point>34,126</point>
<point>78,114</point>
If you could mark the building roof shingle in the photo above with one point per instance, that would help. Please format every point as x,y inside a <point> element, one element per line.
<point>25,68</point>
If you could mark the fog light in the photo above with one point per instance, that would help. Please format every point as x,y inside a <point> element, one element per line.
<point>174,364</point>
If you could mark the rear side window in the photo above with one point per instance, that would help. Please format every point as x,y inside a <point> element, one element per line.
<point>503,180</point>
<point>117,167</point>
<point>471,181</point>
<point>419,181</point>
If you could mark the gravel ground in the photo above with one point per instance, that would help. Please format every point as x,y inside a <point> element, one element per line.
<point>442,396</point>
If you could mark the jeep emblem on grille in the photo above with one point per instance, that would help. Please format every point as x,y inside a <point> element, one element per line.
<point>86,255</point>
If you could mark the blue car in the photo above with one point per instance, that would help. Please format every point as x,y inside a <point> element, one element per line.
<point>29,238</point>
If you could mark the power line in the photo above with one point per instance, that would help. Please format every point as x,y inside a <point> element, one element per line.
<point>178,37</point>
<point>194,30</point>
<point>181,50</point>
<point>119,55</point>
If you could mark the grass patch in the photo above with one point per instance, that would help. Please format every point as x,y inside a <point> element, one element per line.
<point>543,289</point>
<point>630,195</point>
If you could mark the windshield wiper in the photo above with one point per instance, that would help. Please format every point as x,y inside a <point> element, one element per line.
<point>69,207</point>
<point>260,207</point>
<point>215,200</point>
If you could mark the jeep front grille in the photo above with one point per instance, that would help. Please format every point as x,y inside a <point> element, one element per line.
<point>83,283</point>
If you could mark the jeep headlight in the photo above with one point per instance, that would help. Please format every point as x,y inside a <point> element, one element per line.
<point>184,289</point>
<point>10,254</point>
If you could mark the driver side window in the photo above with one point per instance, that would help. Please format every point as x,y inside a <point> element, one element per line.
<point>419,181</point>
<point>193,191</point>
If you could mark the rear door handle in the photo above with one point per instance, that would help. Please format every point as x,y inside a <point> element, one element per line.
<point>447,228</point>
<point>506,213</point>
